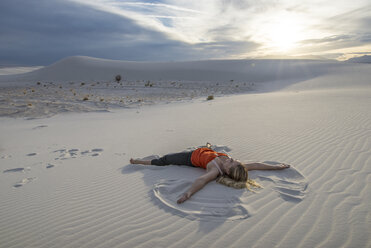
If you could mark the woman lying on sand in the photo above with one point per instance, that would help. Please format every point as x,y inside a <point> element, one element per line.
<point>218,166</point>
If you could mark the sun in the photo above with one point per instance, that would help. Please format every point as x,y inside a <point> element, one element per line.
<point>282,33</point>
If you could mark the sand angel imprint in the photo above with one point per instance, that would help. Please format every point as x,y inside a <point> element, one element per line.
<point>219,166</point>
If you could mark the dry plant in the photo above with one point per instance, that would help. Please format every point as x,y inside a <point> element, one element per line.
<point>118,78</point>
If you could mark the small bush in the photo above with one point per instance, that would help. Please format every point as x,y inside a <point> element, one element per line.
<point>118,78</point>
<point>211,97</point>
<point>86,98</point>
<point>38,83</point>
<point>82,84</point>
<point>148,84</point>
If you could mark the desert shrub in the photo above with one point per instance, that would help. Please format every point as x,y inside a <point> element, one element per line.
<point>148,84</point>
<point>118,78</point>
<point>211,97</point>
<point>86,98</point>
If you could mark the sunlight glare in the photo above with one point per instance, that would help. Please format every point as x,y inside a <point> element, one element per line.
<point>282,33</point>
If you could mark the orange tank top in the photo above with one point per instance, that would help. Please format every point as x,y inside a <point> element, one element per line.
<point>202,156</point>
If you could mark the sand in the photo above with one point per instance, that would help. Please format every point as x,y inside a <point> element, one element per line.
<point>85,84</point>
<point>66,180</point>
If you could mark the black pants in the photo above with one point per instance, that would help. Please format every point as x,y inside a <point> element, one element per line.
<point>181,158</point>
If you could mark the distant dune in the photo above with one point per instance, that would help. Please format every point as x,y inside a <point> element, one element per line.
<point>79,68</point>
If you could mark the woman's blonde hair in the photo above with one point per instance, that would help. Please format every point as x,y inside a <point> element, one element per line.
<point>238,178</point>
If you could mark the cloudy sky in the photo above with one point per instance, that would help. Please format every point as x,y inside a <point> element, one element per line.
<point>40,32</point>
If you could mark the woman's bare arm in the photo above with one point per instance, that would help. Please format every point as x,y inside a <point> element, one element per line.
<point>263,166</point>
<point>198,184</point>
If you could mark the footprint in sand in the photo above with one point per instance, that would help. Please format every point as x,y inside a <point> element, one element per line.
<point>93,152</point>
<point>50,166</point>
<point>24,181</point>
<point>73,153</point>
<point>16,170</point>
<point>5,156</point>
<point>66,153</point>
<point>120,154</point>
<point>39,127</point>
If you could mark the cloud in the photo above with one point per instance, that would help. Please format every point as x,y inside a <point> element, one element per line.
<point>350,30</point>
<point>39,32</point>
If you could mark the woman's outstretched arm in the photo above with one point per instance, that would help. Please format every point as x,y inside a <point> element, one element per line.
<point>263,166</point>
<point>198,184</point>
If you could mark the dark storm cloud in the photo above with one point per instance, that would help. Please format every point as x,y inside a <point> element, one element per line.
<point>40,32</point>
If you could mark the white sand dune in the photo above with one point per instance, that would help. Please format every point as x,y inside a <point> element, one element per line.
<point>81,68</point>
<point>66,181</point>
<point>85,84</point>
<point>17,70</point>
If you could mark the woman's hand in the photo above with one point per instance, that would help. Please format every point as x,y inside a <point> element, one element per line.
<point>183,198</point>
<point>282,166</point>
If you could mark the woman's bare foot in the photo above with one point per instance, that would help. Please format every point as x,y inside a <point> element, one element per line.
<point>137,161</point>
<point>134,161</point>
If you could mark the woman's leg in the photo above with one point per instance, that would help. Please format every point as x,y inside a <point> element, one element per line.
<point>181,158</point>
